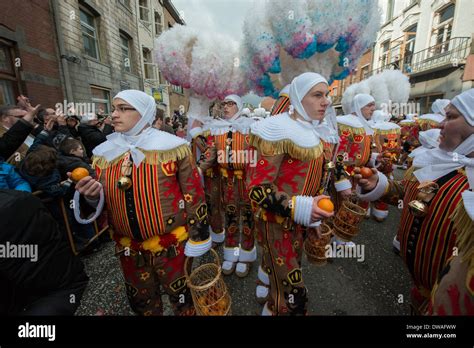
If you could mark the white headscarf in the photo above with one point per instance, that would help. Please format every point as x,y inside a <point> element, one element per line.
<point>437,163</point>
<point>465,104</point>
<point>300,86</point>
<point>439,105</point>
<point>360,101</point>
<point>138,137</point>
<point>240,105</point>
<point>429,140</point>
<point>144,104</point>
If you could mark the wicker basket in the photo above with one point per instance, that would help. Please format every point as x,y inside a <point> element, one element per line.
<point>315,248</point>
<point>347,220</point>
<point>351,213</point>
<point>208,289</point>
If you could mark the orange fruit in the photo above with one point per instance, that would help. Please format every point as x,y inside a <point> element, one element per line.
<point>366,172</point>
<point>326,205</point>
<point>79,173</point>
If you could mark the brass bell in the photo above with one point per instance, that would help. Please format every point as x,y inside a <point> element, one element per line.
<point>124,183</point>
<point>419,209</point>
<point>329,165</point>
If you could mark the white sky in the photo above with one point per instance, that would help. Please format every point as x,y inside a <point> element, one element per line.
<point>224,16</point>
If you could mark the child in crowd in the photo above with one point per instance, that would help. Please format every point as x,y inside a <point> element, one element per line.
<point>10,179</point>
<point>72,156</point>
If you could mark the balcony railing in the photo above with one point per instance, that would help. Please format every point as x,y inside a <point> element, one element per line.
<point>452,52</point>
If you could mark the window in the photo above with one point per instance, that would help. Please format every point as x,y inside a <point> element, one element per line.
<point>89,34</point>
<point>334,91</point>
<point>446,14</point>
<point>101,100</point>
<point>177,89</point>
<point>144,13</point>
<point>385,53</point>
<point>442,33</point>
<point>148,64</point>
<point>125,48</point>
<point>8,77</point>
<point>158,25</point>
<point>390,9</point>
<point>364,73</point>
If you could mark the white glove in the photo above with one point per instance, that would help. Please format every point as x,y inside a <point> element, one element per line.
<point>195,249</point>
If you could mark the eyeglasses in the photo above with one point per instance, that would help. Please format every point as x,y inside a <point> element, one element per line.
<point>122,109</point>
<point>229,103</point>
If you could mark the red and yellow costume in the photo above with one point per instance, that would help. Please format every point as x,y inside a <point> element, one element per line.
<point>152,219</point>
<point>287,176</point>
<point>426,241</point>
<point>228,151</point>
<point>202,139</point>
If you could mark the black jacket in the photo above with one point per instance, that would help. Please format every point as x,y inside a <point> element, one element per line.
<point>67,163</point>
<point>14,137</point>
<point>24,220</point>
<point>92,136</point>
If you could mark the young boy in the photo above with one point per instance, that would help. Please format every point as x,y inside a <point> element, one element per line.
<point>10,179</point>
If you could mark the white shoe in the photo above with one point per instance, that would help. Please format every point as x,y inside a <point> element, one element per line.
<point>228,267</point>
<point>262,294</point>
<point>242,269</point>
<point>266,311</point>
<point>396,245</point>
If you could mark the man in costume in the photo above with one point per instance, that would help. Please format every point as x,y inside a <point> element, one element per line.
<point>285,188</point>
<point>431,193</point>
<point>409,138</point>
<point>229,149</point>
<point>430,121</point>
<point>387,145</point>
<point>200,133</point>
<point>355,148</point>
<point>156,204</point>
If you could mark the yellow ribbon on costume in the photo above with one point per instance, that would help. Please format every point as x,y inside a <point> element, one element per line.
<point>279,219</point>
<point>153,244</point>
<point>239,174</point>
<point>224,172</point>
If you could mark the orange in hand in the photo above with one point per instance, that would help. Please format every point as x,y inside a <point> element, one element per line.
<point>326,205</point>
<point>79,173</point>
<point>366,172</point>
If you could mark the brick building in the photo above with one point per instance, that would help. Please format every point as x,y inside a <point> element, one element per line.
<point>29,59</point>
<point>99,46</point>
<point>364,68</point>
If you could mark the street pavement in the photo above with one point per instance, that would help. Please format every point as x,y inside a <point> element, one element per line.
<point>377,286</point>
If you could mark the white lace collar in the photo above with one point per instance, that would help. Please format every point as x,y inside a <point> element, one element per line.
<point>283,127</point>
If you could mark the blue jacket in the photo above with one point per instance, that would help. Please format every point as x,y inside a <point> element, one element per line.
<point>10,179</point>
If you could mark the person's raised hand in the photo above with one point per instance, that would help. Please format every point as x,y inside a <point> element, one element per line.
<point>30,115</point>
<point>24,103</point>
<point>367,184</point>
<point>88,187</point>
